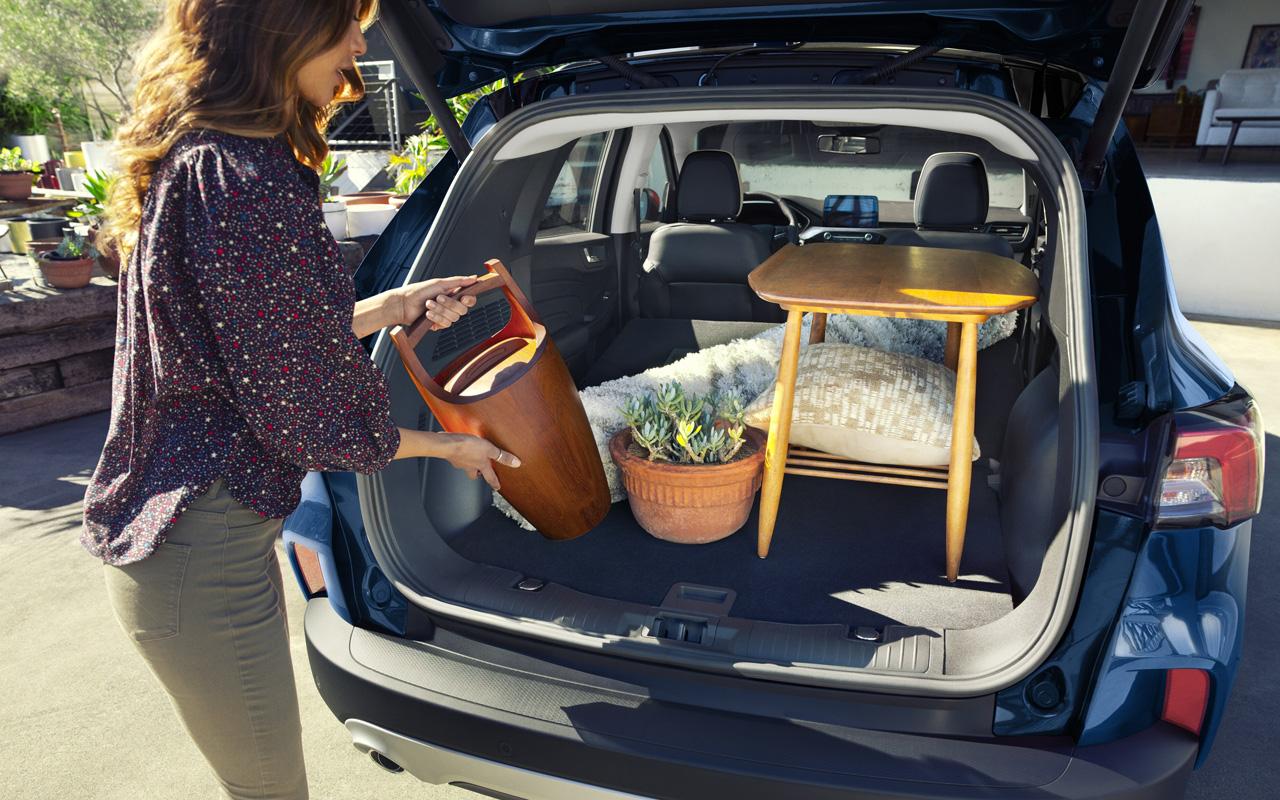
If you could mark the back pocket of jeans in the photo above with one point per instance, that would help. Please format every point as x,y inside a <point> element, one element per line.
<point>146,595</point>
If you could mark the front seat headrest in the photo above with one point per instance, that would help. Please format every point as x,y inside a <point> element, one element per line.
<point>709,187</point>
<point>952,192</point>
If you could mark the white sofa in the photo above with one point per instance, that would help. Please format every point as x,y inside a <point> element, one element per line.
<point>1243,92</point>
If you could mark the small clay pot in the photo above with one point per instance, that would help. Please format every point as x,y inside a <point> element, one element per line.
<point>66,274</point>
<point>690,503</point>
<point>15,185</point>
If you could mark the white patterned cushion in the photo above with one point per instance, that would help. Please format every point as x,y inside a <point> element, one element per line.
<point>869,405</point>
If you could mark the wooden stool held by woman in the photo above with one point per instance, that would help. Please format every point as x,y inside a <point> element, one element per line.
<point>514,389</point>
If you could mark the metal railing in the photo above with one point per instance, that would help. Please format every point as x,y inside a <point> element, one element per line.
<point>374,122</point>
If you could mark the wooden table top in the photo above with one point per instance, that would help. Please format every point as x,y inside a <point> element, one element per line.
<point>887,280</point>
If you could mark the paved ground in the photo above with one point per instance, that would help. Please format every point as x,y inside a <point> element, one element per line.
<point>82,718</point>
<point>1243,763</point>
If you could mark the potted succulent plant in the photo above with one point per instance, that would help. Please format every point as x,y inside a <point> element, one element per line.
<point>335,210</point>
<point>17,174</point>
<point>90,212</point>
<point>690,465</point>
<point>70,264</point>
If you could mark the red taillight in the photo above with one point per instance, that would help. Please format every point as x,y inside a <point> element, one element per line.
<point>1215,474</point>
<point>309,566</point>
<point>1186,696</point>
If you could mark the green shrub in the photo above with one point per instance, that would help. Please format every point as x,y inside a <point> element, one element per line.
<point>72,247</point>
<point>11,160</point>
<point>98,185</point>
<point>330,170</point>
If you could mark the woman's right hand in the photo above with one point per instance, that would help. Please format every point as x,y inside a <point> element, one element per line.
<point>475,456</point>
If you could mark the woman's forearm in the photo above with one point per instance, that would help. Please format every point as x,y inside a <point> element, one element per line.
<point>372,314</point>
<point>425,444</point>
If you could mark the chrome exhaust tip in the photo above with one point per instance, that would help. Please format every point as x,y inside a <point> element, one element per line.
<point>384,762</point>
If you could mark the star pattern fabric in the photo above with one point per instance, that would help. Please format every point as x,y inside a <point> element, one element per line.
<point>235,357</point>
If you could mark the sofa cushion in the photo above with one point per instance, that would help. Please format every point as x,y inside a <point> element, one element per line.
<point>869,405</point>
<point>1249,88</point>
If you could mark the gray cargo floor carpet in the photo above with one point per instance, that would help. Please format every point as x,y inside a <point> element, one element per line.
<point>861,554</point>
<point>855,553</point>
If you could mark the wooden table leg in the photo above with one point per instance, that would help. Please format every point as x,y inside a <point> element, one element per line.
<point>775,451</point>
<point>960,474</point>
<point>952,351</point>
<point>818,328</point>
<point>1231,141</point>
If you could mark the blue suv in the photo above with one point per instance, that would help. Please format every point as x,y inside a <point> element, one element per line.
<point>1091,641</point>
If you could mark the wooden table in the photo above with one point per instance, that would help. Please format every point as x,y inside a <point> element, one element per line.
<point>1236,120</point>
<point>961,287</point>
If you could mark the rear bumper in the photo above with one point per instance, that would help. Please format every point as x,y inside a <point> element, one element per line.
<point>527,727</point>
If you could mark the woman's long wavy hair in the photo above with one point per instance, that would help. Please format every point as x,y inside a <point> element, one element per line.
<point>229,65</point>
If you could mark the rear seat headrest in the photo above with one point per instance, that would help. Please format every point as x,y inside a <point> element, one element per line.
<point>952,192</point>
<point>709,187</point>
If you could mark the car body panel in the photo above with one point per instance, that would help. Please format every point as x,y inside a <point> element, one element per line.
<point>1150,600</point>
<point>592,723</point>
<point>492,38</point>
<point>1184,609</point>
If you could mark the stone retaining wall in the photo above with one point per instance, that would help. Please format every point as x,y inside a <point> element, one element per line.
<point>56,349</point>
<point>57,345</point>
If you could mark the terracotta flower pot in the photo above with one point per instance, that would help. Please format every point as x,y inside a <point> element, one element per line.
<point>68,274</point>
<point>690,503</point>
<point>15,185</point>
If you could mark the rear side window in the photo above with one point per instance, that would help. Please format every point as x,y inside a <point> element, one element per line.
<point>569,205</point>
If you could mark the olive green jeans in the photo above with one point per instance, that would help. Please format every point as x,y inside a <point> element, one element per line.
<point>206,611</point>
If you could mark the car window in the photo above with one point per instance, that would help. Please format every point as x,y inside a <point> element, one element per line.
<point>569,205</point>
<point>653,201</point>
<point>784,157</point>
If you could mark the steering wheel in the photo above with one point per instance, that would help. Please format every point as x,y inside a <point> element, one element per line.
<point>793,226</point>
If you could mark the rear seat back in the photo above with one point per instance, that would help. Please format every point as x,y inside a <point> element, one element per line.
<point>951,207</point>
<point>697,268</point>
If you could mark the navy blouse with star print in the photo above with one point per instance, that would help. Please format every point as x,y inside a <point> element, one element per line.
<point>235,357</point>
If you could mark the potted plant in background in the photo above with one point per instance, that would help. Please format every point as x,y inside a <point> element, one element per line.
<point>17,174</point>
<point>335,209</point>
<point>70,264</point>
<point>690,464</point>
<point>90,212</point>
<point>411,165</point>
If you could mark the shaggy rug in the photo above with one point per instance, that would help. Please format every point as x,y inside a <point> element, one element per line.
<point>747,367</point>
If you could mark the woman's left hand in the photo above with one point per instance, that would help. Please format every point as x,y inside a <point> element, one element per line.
<point>435,299</point>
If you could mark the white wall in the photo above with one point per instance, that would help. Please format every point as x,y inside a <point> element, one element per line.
<point>1220,237</point>
<point>1221,38</point>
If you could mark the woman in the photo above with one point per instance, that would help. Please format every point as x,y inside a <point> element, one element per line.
<point>238,365</point>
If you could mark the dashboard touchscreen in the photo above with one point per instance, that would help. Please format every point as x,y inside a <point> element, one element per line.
<point>851,211</point>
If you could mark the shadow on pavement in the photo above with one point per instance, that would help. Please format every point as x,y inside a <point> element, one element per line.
<point>48,467</point>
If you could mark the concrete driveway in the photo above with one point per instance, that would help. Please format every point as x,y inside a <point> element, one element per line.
<point>83,718</point>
